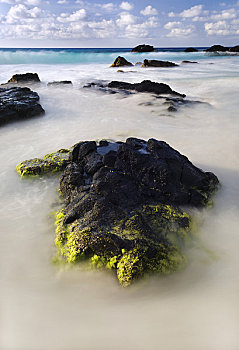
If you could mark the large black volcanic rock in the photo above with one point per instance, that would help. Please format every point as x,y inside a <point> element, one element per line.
<point>18,103</point>
<point>143,48</point>
<point>24,78</point>
<point>145,86</point>
<point>122,205</point>
<point>216,48</point>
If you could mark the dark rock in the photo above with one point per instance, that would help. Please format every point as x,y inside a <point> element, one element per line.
<point>138,64</point>
<point>62,82</point>
<point>185,61</point>
<point>172,109</point>
<point>156,63</point>
<point>190,49</point>
<point>145,86</point>
<point>122,206</point>
<point>216,48</point>
<point>120,62</point>
<point>24,78</point>
<point>18,103</point>
<point>234,49</point>
<point>143,48</point>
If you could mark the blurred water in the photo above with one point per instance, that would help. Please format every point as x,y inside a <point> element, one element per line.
<point>43,307</point>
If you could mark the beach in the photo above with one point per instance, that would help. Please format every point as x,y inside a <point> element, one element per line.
<point>46,306</point>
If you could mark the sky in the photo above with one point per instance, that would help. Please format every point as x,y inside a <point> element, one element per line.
<point>98,23</point>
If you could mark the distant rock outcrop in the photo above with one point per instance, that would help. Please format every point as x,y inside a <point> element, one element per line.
<point>143,48</point>
<point>190,49</point>
<point>156,63</point>
<point>218,48</point>
<point>234,49</point>
<point>121,62</point>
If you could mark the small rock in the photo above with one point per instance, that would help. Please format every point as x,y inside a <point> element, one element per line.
<point>185,61</point>
<point>56,83</point>
<point>190,49</point>
<point>121,61</point>
<point>143,48</point>
<point>24,78</point>
<point>156,63</point>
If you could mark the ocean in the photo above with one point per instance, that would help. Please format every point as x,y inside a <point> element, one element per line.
<point>47,307</point>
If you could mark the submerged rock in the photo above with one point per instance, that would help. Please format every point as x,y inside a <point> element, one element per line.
<point>185,61</point>
<point>24,78</point>
<point>143,48</point>
<point>123,206</point>
<point>18,103</point>
<point>62,82</point>
<point>52,162</point>
<point>145,86</point>
<point>156,63</point>
<point>121,62</point>
<point>190,49</point>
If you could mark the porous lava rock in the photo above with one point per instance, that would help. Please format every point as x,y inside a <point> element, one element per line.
<point>145,86</point>
<point>156,63</point>
<point>25,78</point>
<point>18,103</point>
<point>190,49</point>
<point>123,206</point>
<point>143,48</point>
<point>121,62</point>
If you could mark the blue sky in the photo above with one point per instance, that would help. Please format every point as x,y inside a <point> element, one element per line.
<point>102,23</point>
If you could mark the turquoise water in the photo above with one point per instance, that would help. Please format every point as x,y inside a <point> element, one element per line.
<point>87,56</point>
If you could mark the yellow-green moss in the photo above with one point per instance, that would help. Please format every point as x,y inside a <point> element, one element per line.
<point>148,254</point>
<point>52,162</point>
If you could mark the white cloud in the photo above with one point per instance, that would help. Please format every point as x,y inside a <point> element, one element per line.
<point>126,6</point>
<point>62,2</point>
<point>192,12</point>
<point>222,28</point>
<point>26,2</point>
<point>225,14</point>
<point>171,14</point>
<point>21,12</point>
<point>171,25</point>
<point>125,19</point>
<point>109,7</point>
<point>178,29</point>
<point>149,11</point>
<point>73,17</point>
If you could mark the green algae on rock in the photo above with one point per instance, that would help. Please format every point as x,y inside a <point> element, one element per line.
<point>123,206</point>
<point>52,162</point>
<point>148,233</point>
